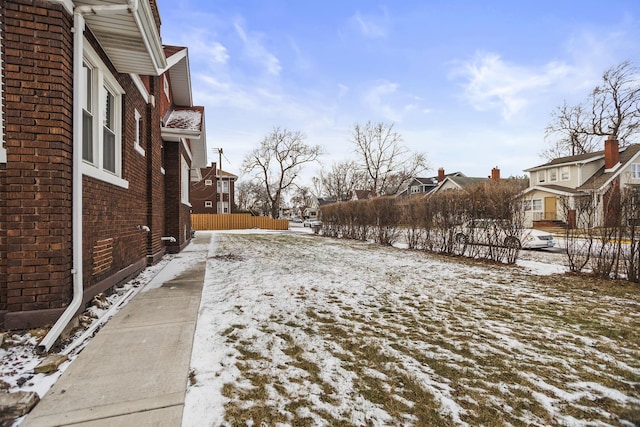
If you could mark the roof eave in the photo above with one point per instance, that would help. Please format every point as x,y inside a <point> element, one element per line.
<point>139,30</point>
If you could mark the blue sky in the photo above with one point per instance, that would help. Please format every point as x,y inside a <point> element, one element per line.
<point>470,83</point>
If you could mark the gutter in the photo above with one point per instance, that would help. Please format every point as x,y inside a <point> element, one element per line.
<point>76,213</point>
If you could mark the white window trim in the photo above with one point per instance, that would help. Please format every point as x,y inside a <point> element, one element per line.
<point>208,182</point>
<point>165,83</point>
<point>634,175</point>
<point>136,139</point>
<point>542,174</point>
<point>208,204</point>
<point>568,178</point>
<point>533,209</point>
<point>551,177</point>
<point>103,78</point>
<point>142,89</point>
<point>184,182</point>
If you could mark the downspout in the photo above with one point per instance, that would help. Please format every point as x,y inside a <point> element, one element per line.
<point>76,209</point>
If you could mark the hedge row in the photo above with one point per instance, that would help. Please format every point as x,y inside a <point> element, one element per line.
<point>433,223</point>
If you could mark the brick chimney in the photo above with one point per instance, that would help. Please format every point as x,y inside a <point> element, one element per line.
<point>495,174</point>
<point>440,174</point>
<point>611,152</point>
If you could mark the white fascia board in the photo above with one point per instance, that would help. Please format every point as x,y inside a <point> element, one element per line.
<point>150,36</point>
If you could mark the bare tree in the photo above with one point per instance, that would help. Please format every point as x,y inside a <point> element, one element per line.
<point>616,103</point>
<point>343,178</point>
<point>252,197</point>
<point>572,137</point>
<point>612,108</point>
<point>387,163</point>
<point>301,200</point>
<point>277,162</point>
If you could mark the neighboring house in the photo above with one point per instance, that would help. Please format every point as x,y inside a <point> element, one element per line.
<point>213,192</point>
<point>587,175</point>
<point>362,194</point>
<point>96,151</point>
<point>460,182</point>
<point>422,186</point>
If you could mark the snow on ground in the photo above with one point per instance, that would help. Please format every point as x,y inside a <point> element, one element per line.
<point>296,329</point>
<point>303,330</point>
<point>18,352</point>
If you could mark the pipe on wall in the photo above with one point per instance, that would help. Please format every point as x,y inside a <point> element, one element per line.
<point>76,215</point>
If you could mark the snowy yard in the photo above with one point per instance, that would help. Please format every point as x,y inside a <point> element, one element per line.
<point>297,329</point>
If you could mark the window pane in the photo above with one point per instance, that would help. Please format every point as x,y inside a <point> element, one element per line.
<point>109,150</point>
<point>86,82</point>
<point>87,136</point>
<point>108,109</point>
<point>537,204</point>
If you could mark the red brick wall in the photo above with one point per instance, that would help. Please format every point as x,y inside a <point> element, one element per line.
<point>113,212</point>
<point>201,192</point>
<point>156,177</point>
<point>36,212</point>
<point>35,183</point>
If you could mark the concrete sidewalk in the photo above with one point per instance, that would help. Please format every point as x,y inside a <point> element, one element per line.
<point>134,372</point>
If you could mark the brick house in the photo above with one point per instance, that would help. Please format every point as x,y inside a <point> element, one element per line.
<point>213,191</point>
<point>99,136</point>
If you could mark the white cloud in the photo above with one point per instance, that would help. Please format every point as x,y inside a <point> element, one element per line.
<point>494,84</point>
<point>342,90</point>
<point>256,51</point>
<point>382,97</point>
<point>370,26</point>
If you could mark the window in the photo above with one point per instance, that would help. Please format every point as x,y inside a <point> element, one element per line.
<point>138,136</point>
<point>101,101</point>
<point>87,113</point>
<point>218,186</point>
<point>225,186</point>
<point>184,181</point>
<point>208,182</point>
<point>109,131</point>
<point>526,205</point>
<point>165,83</point>
<point>635,171</point>
<point>564,173</point>
<point>208,204</point>
<point>553,175</point>
<point>536,205</point>
<point>542,176</point>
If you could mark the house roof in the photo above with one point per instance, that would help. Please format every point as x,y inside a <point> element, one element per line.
<point>326,201</point>
<point>552,188</point>
<point>464,181</point>
<point>580,158</point>
<point>188,122</point>
<point>224,174</point>
<point>187,119</point>
<point>603,175</point>
<point>363,194</point>
<point>128,36</point>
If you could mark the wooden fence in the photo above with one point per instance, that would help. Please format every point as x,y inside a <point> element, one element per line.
<point>236,222</point>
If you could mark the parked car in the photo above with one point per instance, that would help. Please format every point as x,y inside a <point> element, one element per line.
<point>536,239</point>
<point>499,232</point>
<point>312,223</point>
<point>295,219</point>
